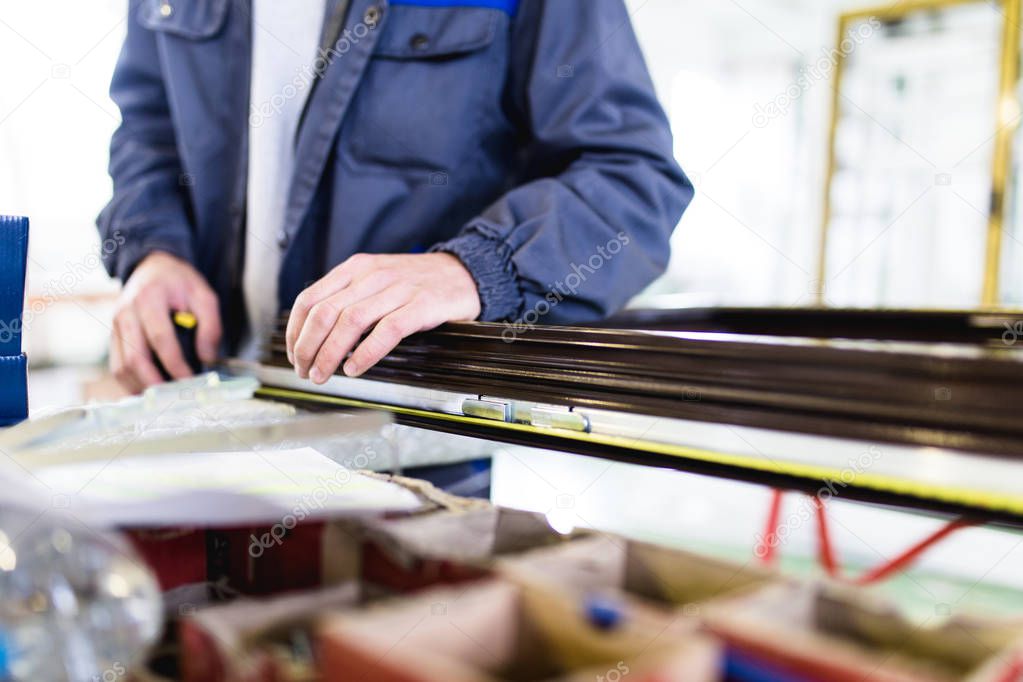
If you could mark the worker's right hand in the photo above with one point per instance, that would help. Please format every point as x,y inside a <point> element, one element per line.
<point>160,285</point>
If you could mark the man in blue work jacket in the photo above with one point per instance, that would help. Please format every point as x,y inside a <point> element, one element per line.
<point>379,167</point>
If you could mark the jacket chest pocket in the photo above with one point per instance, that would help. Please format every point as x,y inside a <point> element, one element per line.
<point>427,89</point>
<point>201,67</point>
<point>189,19</point>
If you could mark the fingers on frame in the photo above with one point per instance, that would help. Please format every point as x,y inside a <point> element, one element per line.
<point>325,316</point>
<point>334,281</point>
<point>319,323</point>
<point>353,323</point>
<point>387,334</point>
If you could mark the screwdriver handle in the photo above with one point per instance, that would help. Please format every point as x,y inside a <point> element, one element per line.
<point>185,324</point>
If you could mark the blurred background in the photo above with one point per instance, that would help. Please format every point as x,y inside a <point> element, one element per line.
<point>749,87</point>
<point>877,193</point>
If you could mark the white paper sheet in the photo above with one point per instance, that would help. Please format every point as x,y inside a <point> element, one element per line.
<point>220,489</point>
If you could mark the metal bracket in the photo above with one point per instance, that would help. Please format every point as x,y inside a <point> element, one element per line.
<point>525,412</point>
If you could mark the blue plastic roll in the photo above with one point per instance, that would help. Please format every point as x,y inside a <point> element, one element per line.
<point>603,613</point>
<point>13,364</point>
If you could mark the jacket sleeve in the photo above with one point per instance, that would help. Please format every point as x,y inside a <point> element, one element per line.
<point>591,227</point>
<point>148,209</point>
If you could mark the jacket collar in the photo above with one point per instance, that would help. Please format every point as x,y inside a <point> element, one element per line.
<point>342,68</point>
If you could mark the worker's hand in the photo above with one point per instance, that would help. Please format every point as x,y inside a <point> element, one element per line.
<point>161,284</point>
<point>393,295</point>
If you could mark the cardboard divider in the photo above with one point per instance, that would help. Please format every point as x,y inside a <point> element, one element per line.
<point>497,630</point>
<point>834,632</point>
<point>671,578</point>
<point>259,639</point>
<point>448,547</point>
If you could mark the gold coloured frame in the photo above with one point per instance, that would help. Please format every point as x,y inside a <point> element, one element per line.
<point>1006,122</point>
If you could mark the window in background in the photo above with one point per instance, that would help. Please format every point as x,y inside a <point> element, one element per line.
<point>747,86</point>
<point>910,194</point>
<point>1011,289</point>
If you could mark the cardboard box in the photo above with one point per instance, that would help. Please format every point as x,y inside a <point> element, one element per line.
<point>671,578</point>
<point>259,640</point>
<point>833,632</point>
<point>447,547</point>
<point>198,566</point>
<point>496,630</point>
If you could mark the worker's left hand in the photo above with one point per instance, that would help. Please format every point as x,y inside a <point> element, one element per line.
<point>392,295</point>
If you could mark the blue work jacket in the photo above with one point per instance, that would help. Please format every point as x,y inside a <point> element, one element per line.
<point>523,137</point>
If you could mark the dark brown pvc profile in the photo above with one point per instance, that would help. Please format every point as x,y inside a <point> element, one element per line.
<point>940,379</point>
<point>907,325</point>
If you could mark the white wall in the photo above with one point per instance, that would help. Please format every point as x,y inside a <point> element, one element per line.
<point>55,126</point>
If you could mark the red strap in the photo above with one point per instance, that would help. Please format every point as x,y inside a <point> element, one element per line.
<point>826,553</point>
<point>769,545</point>
<point>903,561</point>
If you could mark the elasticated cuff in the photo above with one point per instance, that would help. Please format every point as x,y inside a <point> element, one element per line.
<point>489,262</point>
